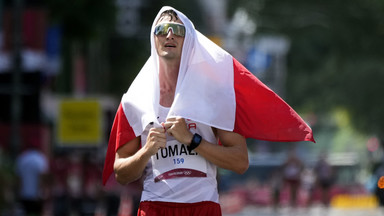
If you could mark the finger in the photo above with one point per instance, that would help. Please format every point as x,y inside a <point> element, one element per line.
<point>167,125</point>
<point>163,124</point>
<point>169,130</point>
<point>171,119</point>
<point>177,120</point>
<point>163,145</point>
<point>157,130</point>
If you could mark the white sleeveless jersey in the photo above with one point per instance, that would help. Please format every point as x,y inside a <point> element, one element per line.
<point>175,174</point>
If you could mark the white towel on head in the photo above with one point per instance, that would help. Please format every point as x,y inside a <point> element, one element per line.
<point>204,91</point>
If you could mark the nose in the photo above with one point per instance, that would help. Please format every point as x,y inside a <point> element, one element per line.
<point>170,33</point>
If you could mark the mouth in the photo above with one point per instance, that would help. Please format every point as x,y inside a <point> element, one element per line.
<point>170,45</point>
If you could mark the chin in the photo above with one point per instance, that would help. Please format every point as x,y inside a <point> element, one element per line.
<point>169,56</point>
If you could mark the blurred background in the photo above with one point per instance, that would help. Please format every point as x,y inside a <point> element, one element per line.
<point>64,66</point>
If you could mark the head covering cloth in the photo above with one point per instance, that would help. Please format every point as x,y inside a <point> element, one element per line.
<point>204,90</point>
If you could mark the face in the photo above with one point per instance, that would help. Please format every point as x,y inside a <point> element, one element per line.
<point>169,46</point>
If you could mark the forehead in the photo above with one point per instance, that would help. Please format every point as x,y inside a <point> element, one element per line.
<point>167,18</point>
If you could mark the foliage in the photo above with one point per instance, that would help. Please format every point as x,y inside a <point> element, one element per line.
<point>336,56</point>
<point>82,19</point>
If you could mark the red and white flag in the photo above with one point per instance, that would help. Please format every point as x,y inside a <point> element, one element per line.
<point>213,88</point>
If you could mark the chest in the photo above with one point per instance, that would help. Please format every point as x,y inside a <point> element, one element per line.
<point>166,98</point>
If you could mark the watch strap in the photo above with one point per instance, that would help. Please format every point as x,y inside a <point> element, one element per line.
<point>196,140</point>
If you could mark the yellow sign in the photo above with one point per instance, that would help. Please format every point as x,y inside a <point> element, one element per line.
<point>79,122</point>
<point>348,201</point>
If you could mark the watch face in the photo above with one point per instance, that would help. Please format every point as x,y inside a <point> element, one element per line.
<point>196,139</point>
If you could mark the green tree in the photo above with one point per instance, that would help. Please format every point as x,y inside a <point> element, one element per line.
<point>336,56</point>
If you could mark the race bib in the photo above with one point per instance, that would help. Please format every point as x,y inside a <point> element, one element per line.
<point>177,161</point>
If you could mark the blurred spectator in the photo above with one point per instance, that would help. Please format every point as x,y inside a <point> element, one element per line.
<point>325,178</point>
<point>2,177</point>
<point>91,184</point>
<point>292,169</point>
<point>75,182</point>
<point>77,188</point>
<point>308,179</point>
<point>4,182</point>
<point>379,192</point>
<point>276,187</point>
<point>32,169</point>
<point>61,206</point>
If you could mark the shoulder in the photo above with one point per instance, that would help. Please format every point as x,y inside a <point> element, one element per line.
<point>229,137</point>
<point>129,148</point>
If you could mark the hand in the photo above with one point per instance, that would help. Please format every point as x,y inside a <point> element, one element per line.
<point>177,128</point>
<point>156,139</point>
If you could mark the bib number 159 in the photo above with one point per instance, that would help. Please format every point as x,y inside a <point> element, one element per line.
<point>178,160</point>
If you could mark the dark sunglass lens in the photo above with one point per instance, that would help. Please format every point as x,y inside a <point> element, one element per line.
<point>163,29</point>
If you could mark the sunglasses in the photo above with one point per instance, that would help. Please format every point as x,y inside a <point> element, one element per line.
<point>163,29</point>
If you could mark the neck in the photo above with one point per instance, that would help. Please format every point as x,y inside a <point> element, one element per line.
<point>168,74</point>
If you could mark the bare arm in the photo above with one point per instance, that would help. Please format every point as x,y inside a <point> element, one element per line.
<point>131,160</point>
<point>232,155</point>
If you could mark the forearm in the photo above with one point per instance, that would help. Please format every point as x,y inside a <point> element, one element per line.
<point>131,159</point>
<point>131,168</point>
<point>232,155</point>
<point>234,158</point>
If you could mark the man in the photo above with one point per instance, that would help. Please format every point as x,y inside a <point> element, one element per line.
<point>292,171</point>
<point>32,169</point>
<point>186,113</point>
<point>325,177</point>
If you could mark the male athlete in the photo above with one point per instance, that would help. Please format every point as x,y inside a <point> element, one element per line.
<point>184,116</point>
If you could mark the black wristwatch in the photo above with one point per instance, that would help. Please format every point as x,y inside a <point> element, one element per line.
<point>196,140</point>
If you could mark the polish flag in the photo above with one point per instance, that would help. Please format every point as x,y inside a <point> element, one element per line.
<point>214,89</point>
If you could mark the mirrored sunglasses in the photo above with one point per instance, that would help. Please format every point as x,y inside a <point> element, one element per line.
<point>163,29</point>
